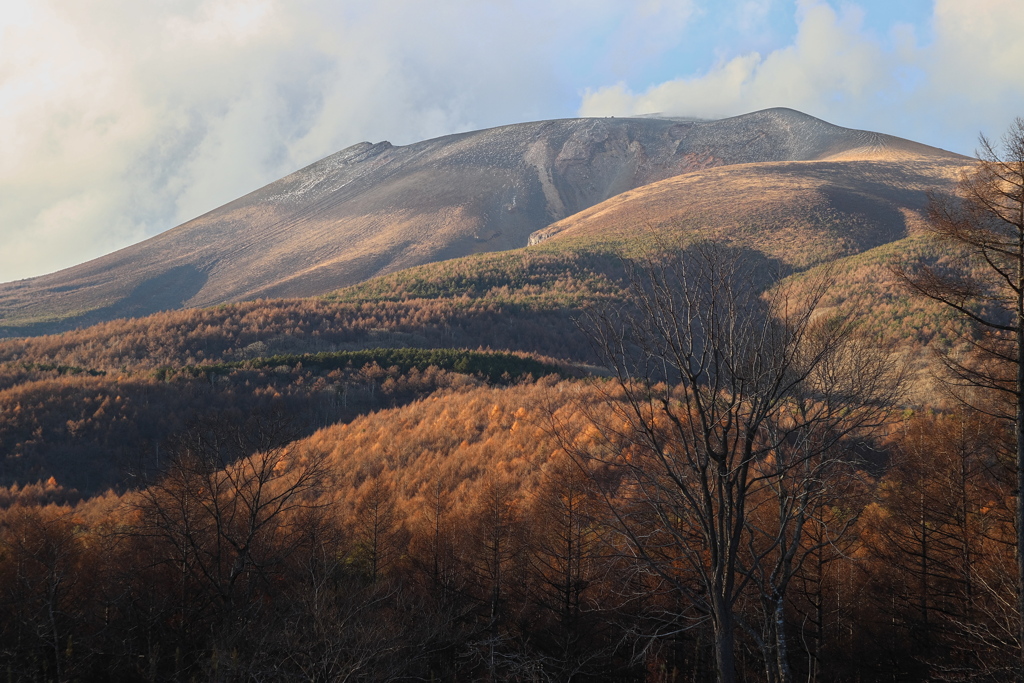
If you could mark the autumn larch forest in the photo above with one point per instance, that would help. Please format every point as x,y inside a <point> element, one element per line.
<point>720,439</point>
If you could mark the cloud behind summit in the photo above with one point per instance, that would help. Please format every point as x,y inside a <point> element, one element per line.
<point>939,82</point>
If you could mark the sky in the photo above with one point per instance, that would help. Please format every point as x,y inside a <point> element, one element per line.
<point>120,119</point>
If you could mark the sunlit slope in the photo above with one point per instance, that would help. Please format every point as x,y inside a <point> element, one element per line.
<point>799,213</point>
<point>854,217</point>
<point>377,208</point>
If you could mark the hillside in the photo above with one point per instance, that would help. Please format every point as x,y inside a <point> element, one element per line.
<point>86,404</point>
<point>91,407</point>
<point>377,208</point>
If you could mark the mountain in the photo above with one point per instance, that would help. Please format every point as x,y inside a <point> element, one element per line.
<point>373,209</point>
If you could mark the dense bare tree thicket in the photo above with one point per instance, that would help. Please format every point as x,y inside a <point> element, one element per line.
<point>985,223</point>
<point>738,413</point>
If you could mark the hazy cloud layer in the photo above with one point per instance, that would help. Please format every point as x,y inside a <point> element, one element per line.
<point>121,119</point>
<point>942,88</point>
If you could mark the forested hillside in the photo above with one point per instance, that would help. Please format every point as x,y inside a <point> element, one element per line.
<point>454,538</point>
<point>425,515</point>
<point>88,406</point>
<point>695,430</point>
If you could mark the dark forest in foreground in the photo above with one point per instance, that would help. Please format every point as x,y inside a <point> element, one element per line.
<point>452,539</point>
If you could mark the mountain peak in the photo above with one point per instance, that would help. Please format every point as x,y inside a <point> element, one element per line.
<point>374,208</point>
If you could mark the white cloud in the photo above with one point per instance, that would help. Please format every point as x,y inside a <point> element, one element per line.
<point>750,16</point>
<point>967,78</point>
<point>829,63</point>
<point>972,72</point>
<point>120,119</point>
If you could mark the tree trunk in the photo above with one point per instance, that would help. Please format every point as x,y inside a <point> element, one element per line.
<point>1019,429</point>
<point>781,649</point>
<point>725,645</point>
<point>819,616</point>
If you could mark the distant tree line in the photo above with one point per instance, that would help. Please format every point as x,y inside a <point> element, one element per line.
<point>496,367</point>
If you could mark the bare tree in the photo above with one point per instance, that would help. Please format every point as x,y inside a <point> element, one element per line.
<point>563,557</point>
<point>497,538</point>
<point>43,558</point>
<point>732,402</point>
<point>984,222</point>
<point>224,520</point>
<point>377,526</point>
<point>337,624</point>
<point>943,541</point>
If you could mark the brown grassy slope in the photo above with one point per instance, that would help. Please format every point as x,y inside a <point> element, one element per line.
<point>373,209</point>
<point>856,215</point>
<point>800,213</point>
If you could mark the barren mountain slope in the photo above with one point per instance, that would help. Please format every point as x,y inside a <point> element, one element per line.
<point>373,209</point>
